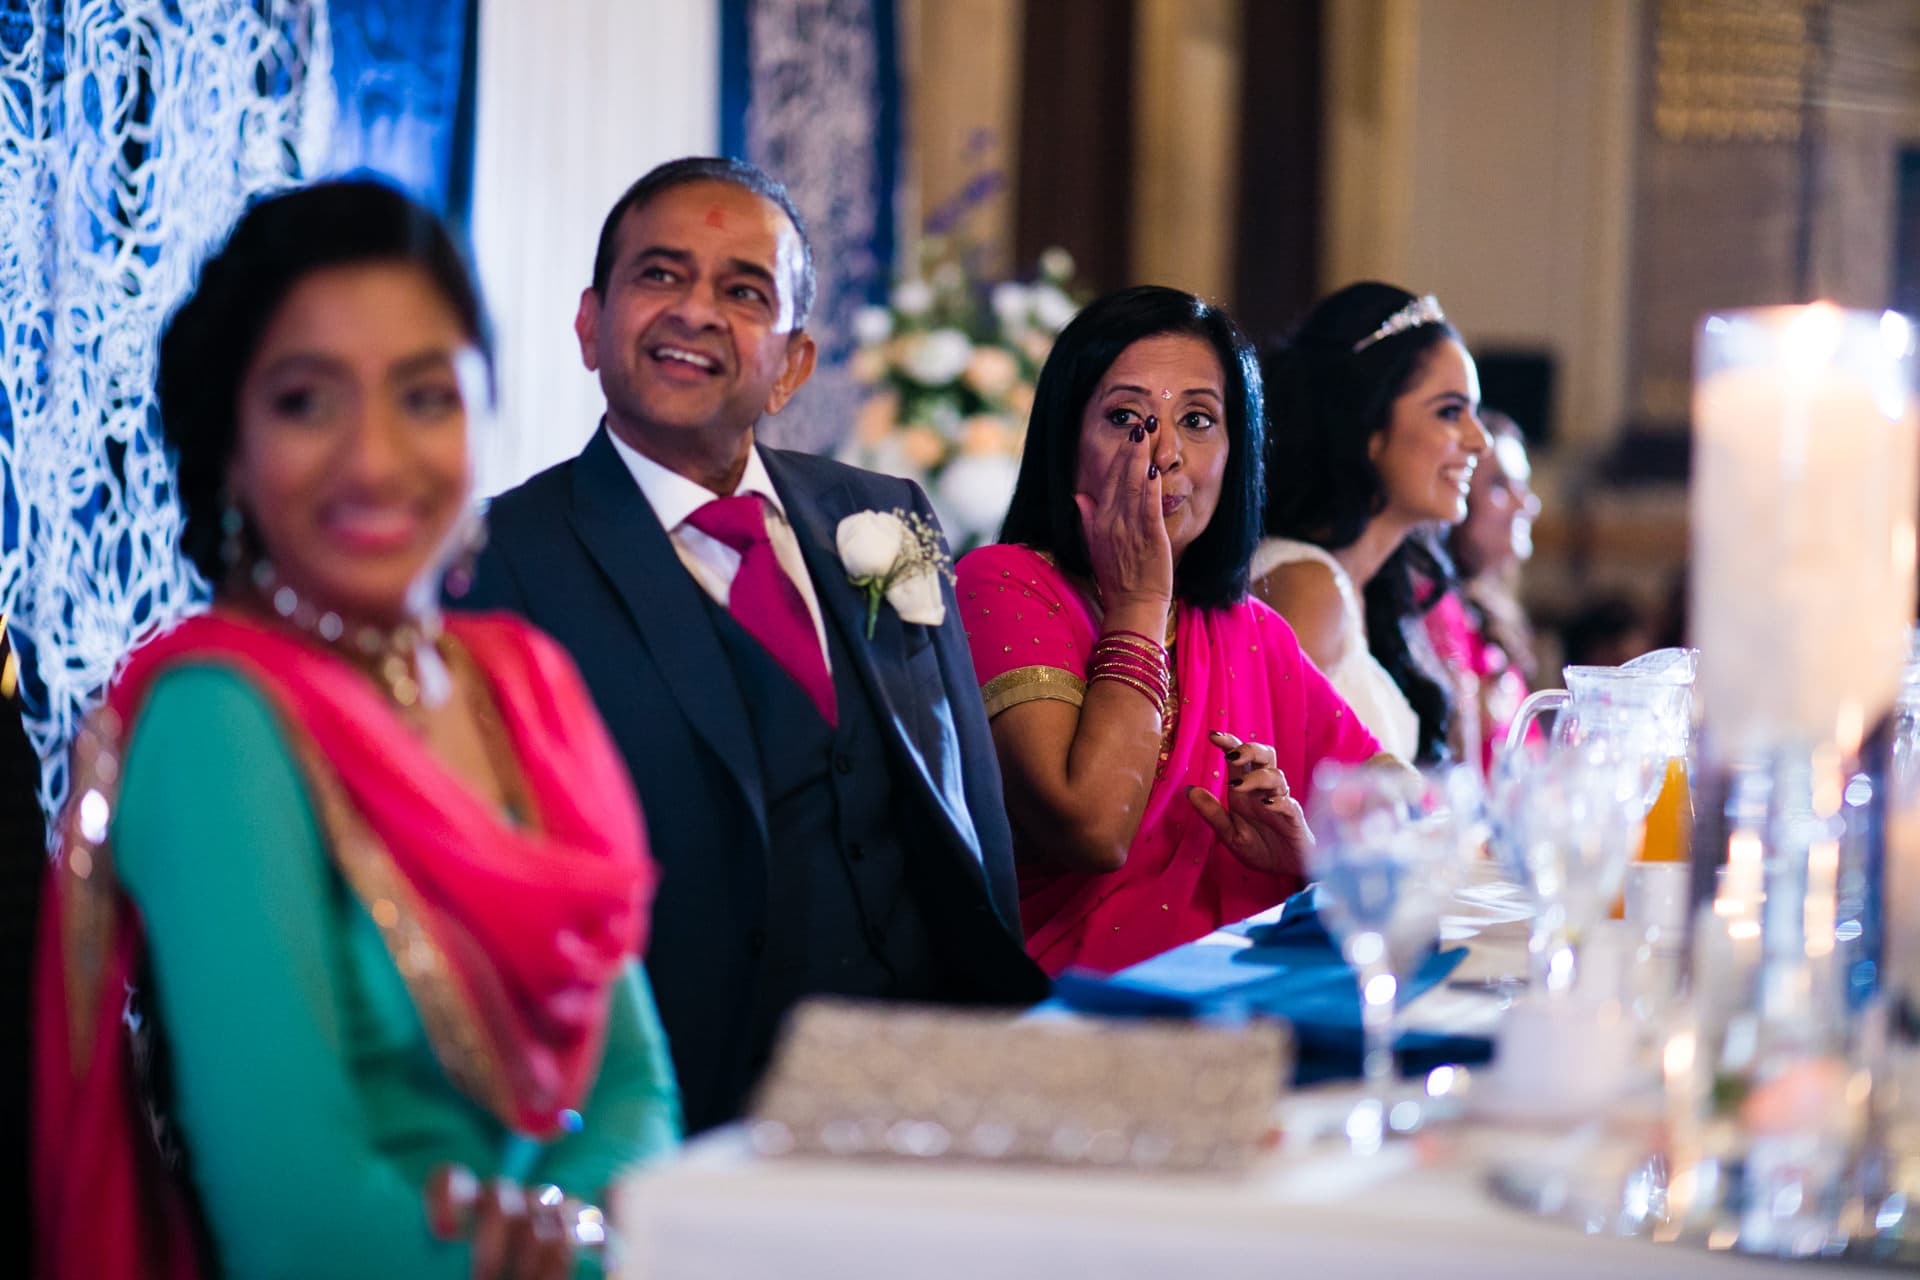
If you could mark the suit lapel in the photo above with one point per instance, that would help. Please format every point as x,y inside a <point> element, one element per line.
<point>615,523</point>
<point>879,663</point>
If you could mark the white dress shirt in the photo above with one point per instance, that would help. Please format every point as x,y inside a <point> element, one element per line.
<point>712,562</point>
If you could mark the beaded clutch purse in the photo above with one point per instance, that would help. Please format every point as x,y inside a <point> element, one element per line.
<point>920,1083</point>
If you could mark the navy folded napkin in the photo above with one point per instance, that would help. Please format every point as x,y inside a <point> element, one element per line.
<point>1292,971</point>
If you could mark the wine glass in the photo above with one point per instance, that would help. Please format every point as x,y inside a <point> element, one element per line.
<point>1391,848</point>
<point>1565,823</point>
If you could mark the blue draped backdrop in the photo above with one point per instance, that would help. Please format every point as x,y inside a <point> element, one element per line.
<point>404,74</point>
<point>810,92</point>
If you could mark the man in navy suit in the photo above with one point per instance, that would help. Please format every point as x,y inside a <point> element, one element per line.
<point>824,804</point>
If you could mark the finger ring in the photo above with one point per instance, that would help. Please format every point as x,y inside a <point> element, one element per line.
<point>589,1228</point>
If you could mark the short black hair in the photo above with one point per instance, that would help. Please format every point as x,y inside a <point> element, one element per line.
<point>210,338</point>
<point>1042,515</point>
<point>1326,402</point>
<point>689,169</point>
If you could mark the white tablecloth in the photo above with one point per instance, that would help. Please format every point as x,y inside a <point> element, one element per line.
<point>1417,1211</point>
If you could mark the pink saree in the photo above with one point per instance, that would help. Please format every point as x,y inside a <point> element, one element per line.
<point>510,938</point>
<point>1237,669</point>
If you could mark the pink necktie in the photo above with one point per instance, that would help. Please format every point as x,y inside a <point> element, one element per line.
<point>763,598</point>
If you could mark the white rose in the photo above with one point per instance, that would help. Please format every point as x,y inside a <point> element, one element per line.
<point>870,542</point>
<point>974,491</point>
<point>1052,308</point>
<point>916,597</point>
<point>872,325</point>
<point>1056,264</point>
<point>1011,305</point>
<point>912,297</point>
<point>936,358</point>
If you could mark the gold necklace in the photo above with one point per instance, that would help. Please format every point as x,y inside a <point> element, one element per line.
<point>395,658</point>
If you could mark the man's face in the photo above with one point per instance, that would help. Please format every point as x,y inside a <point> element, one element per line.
<point>696,334</point>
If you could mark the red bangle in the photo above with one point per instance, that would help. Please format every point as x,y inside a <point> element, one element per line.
<point>1155,679</point>
<point>1145,653</point>
<point>1159,701</point>
<point>1121,631</point>
<point>1151,682</point>
<point>1131,640</point>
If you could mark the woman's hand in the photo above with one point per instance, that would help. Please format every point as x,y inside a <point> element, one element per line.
<point>1126,531</point>
<point>1261,823</point>
<point>515,1236</point>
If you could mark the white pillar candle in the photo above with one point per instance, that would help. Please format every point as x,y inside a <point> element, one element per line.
<point>1804,502</point>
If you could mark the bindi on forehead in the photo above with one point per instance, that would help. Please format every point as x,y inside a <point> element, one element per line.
<point>717,218</point>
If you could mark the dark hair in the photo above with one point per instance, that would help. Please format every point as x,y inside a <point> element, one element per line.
<point>211,337</point>
<point>1042,515</point>
<point>1326,402</point>
<point>1600,625</point>
<point>679,173</point>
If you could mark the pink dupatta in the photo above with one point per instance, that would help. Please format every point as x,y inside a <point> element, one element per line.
<point>1239,669</point>
<point>515,936</point>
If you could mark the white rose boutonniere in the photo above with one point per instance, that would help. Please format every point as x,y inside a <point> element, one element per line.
<point>896,556</point>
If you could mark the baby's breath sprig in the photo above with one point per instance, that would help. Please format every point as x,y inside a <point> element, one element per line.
<point>916,553</point>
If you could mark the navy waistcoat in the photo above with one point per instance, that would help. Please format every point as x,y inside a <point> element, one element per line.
<point>843,913</point>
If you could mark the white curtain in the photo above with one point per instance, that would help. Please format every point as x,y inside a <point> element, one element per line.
<point>576,99</point>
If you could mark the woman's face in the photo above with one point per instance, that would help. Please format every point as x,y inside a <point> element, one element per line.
<point>351,462</point>
<point>1433,439</point>
<point>1501,509</point>
<point>1175,379</point>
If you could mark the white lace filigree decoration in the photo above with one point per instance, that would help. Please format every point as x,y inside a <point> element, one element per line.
<point>131,135</point>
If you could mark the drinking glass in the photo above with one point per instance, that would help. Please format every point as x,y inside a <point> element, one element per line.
<point>1565,823</point>
<point>1391,848</point>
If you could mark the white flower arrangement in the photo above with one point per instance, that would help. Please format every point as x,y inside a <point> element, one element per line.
<point>895,555</point>
<point>951,365</point>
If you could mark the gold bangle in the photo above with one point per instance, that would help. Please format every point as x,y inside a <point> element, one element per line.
<point>1133,663</point>
<point>1127,640</point>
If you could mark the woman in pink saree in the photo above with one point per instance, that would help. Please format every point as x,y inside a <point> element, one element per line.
<point>1153,721</point>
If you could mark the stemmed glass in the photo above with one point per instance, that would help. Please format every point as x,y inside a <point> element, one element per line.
<point>1391,848</point>
<point>1565,823</point>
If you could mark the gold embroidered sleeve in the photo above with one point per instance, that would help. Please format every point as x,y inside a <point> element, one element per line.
<point>1027,684</point>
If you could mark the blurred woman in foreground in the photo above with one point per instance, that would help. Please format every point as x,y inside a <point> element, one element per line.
<point>351,899</point>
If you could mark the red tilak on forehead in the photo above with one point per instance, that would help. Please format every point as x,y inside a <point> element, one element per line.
<point>715,218</point>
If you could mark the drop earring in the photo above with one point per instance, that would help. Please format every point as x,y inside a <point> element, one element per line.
<point>460,574</point>
<point>232,537</point>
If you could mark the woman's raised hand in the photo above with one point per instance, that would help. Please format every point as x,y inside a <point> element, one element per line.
<point>1126,530</point>
<point>516,1235</point>
<point>1261,823</point>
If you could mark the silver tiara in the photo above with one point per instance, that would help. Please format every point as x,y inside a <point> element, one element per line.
<point>1424,310</point>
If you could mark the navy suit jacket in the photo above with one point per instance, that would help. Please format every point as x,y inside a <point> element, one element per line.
<point>579,552</point>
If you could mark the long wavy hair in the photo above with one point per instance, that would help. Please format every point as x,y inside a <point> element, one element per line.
<point>1325,404</point>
